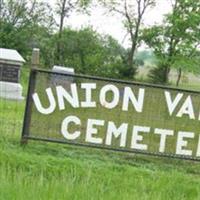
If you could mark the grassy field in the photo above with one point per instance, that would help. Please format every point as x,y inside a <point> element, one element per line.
<point>51,171</point>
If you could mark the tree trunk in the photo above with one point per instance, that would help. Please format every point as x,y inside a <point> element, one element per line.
<point>134,40</point>
<point>59,43</point>
<point>166,75</point>
<point>179,77</point>
<point>131,56</point>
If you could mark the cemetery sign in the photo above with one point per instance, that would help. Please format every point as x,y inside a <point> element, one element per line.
<point>113,114</point>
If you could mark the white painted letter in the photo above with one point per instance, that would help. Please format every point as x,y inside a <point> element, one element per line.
<point>182,143</point>
<point>88,103</point>
<point>187,109</point>
<point>93,131</point>
<point>63,94</point>
<point>198,148</point>
<point>115,99</point>
<point>172,104</point>
<point>137,103</point>
<point>64,128</point>
<point>136,138</point>
<point>163,135</point>
<point>40,108</point>
<point>116,132</point>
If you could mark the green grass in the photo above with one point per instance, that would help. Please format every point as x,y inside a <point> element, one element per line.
<point>49,171</point>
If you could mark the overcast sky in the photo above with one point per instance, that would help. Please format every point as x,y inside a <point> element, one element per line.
<point>112,25</point>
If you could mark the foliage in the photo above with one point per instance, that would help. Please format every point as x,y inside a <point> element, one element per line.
<point>20,24</point>
<point>132,13</point>
<point>145,56</point>
<point>178,38</point>
<point>27,24</point>
<point>31,24</point>
<point>64,8</point>
<point>157,75</point>
<point>86,51</point>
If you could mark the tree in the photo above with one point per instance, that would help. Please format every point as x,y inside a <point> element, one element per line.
<point>177,40</point>
<point>20,21</point>
<point>87,52</point>
<point>64,9</point>
<point>133,13</point>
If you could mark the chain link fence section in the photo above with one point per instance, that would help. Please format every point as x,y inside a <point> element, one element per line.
<point>151,130</point>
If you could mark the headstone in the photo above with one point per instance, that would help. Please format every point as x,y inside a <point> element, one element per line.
<point>62,79</point>
<point>35,60</point>
<point>10,64</point>
<point>63,70</point>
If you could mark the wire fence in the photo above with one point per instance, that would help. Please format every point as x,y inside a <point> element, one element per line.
<point>47,120</point>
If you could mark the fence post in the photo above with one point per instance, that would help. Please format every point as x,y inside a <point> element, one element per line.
<point>35,62</point>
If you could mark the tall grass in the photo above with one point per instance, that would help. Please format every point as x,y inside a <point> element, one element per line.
<point>51,171</point>
<point>43,171</point>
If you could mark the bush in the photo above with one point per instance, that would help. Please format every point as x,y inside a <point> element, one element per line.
<point>159,74</point>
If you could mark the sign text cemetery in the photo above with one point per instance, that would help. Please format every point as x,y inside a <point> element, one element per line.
<point>112,114</point>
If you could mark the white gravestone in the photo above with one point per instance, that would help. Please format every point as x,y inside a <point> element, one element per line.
<point>63,70</point>
<point>10,64</point>
<point>59,79</point>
